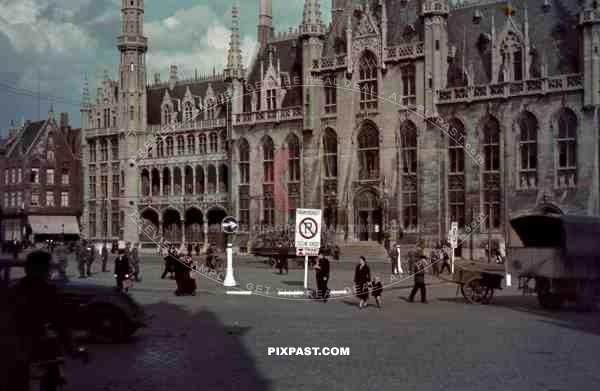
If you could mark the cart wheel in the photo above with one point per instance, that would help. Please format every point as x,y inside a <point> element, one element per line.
<point>474,291</point>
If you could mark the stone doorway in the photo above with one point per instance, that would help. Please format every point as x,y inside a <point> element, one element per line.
<point>368,217</point>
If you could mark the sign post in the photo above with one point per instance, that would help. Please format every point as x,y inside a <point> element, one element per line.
<point>453,236</point>
<point>308,236</point>
<point>230,227</point>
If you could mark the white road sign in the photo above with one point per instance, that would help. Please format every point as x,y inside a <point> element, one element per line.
<point>308,230</point>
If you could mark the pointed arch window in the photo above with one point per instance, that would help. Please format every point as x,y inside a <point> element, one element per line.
<point>170,146</point>
<point>268,155</point>
<point>491,173</point>
<point>528,127</point>
<point>294,158</point>
<point>202,144</point>
<point>188,111</point>
<point>367,74</point>
<point>409,85</point>
<point>244,151</point>
<point>330,146</point>
<point>191,144</point>
<point>268,188</point>
<point>408,134</point>
<point>368,153</point>
<point>511,58</point>
<point>456,172</point>
<point>167,115</point>
<point>214,143</point>
<point>566,150</point>
<point>210,109</point>
<point>180,145</point>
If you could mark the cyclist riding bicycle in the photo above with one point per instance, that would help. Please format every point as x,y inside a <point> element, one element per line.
<point>36,309</point>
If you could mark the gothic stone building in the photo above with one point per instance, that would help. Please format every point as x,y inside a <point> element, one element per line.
<point>400,116</point>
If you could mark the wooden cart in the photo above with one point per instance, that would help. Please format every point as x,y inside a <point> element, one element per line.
<point>478,280</point>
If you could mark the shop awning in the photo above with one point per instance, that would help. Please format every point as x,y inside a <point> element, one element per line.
<point>54,225</point>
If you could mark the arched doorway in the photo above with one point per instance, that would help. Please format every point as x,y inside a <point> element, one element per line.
<point>150,230</point>
<point>367,216</point>
<point>194,226</point>
<point>215,234</point>
<point>172,226</point>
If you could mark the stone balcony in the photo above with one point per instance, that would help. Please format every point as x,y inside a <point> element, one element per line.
<point>207,198</point>
<point>189,125</point>
<point>279,115</point>
<point>125,40</point>
<point>392,54</point>
<point>540,86</point>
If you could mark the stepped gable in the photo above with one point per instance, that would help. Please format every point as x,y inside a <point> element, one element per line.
<point>198,89</point>
<point>289,53</point>
<point>552,34</point>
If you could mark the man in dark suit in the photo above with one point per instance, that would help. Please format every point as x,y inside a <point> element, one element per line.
<point>322,274</point>
<point>283,259</point>
<point>419,270</point>
<point>122,269</point>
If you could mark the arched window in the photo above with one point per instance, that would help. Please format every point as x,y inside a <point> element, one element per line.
<point>202,144</point>
<point>223,137</point>
<point>244,187</point>
<point>528,128</point>
<point>166,177</point>
<point>145,183</point>
<point>566,149</point>
<point>244,151</point>
<point>456,171</point>
<point>214,143</point>
<point>268,188</point>
<point>367,73</point>
<point>210,109</point>
<point>491,172</point>
<point>188,111</point>
<point>177,178</point>
<point>167,114</point>
<point>191,143</point>
<point>160,148</point>
<point>189,180</point>
<point>408,134</point>
<point>170,146</point>
<point>294,158</point>
<point>511,57</point>
<point>104,150</point>
<point>368,153</point>
<point>268,154</point>
<point>180,145</point>
<point>199,180</point>
<point>212,179</point>
<point>330,147</point>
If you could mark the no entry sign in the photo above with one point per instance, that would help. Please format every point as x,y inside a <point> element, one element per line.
<point>308,230</point>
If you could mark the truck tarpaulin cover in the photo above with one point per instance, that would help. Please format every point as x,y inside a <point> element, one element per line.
<point>578,236</point>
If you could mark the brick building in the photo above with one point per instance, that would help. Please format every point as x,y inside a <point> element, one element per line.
<point>425,113</point>
<point>40,182</point>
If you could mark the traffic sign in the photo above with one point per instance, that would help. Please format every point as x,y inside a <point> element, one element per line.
<point>230,225</point>
<point>308,230</point>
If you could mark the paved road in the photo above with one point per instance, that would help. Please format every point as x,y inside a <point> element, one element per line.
<point>218,342</point>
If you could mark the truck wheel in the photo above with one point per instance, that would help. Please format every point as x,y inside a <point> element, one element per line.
<point>108,324</point>
<point>549,300</point>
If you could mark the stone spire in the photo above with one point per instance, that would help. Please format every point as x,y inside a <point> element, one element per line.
<point>312,22</point>
<point>235,65</point>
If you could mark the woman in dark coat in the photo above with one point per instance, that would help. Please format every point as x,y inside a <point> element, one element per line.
<point>362,278</point>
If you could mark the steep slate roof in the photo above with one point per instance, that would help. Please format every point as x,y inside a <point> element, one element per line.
<point>289,53</point>
<point>553,33</point>
<point>25,138</point>
<point>198,88</point>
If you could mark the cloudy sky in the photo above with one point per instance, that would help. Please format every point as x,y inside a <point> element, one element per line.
<point>49,45</point>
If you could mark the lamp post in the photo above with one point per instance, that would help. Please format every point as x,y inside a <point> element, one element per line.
<point>230,227</point>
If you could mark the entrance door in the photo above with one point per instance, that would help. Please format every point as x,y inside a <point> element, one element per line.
<point>367,215</point>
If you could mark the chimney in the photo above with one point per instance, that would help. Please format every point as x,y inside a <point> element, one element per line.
<point>64,120</point>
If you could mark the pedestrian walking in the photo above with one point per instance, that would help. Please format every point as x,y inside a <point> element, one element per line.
<point>322,276</point>
<point>377,290</point>
<point>81,259</point>
<point>445,260</point>
<point>169,263</point>
<point>198,249</point>
<point>419,285</point>
<point>91,257</point>
<point>210,256</point>
<point>283,259</point>
<point>434,259</point>
<point>182,275</point>
<point>135,262</point>
<point>104,255</point>
<point>362,278</point>
<point>122,271</point>
<point>189,249</point>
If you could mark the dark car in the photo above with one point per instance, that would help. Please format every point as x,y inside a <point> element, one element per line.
<point>108,314</point>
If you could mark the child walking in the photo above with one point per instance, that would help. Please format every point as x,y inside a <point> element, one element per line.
<point>377,289</point>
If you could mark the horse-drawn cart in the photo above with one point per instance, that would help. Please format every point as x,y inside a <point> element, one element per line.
<point>478,280</point>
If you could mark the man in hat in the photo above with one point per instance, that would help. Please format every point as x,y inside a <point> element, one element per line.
<point>122,269</point>
<point>419,270</point>
<point>322,275</point>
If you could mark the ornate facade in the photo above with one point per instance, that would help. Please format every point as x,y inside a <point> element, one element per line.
<point>400,116</point>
